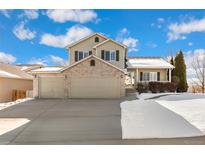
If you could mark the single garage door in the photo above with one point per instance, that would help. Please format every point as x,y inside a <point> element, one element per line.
<point>51,87</point>
<point>95,88</point>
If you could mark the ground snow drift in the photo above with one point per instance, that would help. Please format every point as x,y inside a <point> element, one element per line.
<point>191,110</point>
<point>162,118</point>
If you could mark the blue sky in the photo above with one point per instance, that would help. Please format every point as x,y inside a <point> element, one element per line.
<point>38,36</point>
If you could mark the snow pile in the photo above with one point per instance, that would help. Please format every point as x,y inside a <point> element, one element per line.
<point>9,104</point>
<point>178,115</point>
<point>191,110</point>
<point>9,124</point>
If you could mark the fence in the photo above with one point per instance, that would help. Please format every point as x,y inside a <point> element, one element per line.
<point>20,94</point>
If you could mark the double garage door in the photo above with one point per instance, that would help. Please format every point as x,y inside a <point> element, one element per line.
<point>53,87</point>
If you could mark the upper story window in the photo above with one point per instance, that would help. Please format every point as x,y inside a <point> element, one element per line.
<point>110,55</point>
<point>96,39</point>
<point>82,54</point>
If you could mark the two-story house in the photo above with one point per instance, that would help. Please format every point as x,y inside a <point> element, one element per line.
<point>96,70</point>
<point>97,67</point>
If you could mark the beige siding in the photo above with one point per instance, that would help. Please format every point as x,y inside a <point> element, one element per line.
<point>113,46</point>
<point>9,84</point>
<point>86,45</point>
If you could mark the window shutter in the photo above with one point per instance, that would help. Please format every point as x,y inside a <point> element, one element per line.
<point>102,54</point>
<point>158,76</point>
<point>76,55</point>
<point>141,76</point>
<point>90,52</point>
<point>168,75</point>
<point>117,55</point>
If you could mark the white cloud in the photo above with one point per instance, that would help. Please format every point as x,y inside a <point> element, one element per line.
<point>7,58</point>
<point>190,44</point>
<point>40,61</point>
<point>160,20</point>
<point>6,13</point>
<point>178,31</point>
<point>125,38</point>
<point>31,14</point>
<point>49,60</point>
<point>151,45</point>
<point>58,60</point>
<point>73,34</point>
<point>23,33</point>
<point>124,31</point>
<point>132,43</point>
<point>81,16</point>
<point>158,23</point>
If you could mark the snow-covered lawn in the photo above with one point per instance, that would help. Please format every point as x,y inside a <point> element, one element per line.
<point>8,104</point>
<point>172,115</point>
<point>191,110</point>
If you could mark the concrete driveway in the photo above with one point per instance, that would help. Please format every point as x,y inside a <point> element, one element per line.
<point>70,122</point>
<point>63,122</point>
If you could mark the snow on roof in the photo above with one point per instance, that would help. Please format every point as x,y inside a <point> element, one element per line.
<point>12,71</point>
<point>148,62</point>
<point>50,69</point>
<point>7,74</point>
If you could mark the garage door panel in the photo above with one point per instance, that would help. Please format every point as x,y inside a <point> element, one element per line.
<point>95,88</point>
<point>51,87</point>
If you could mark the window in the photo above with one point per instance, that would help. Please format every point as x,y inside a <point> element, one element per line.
<point>153,76</point>
<point>92,63</point>
<point>149,76</point>
<point>82,54</point>
<point>86,54</point>
<point>110,55</point>
<point>113,55</point>
<point>96,39</point>
<point>145,76</point>
<point>107,55</point>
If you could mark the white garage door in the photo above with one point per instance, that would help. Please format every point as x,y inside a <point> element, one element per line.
<point>51,87</point>
<point>95,88</point>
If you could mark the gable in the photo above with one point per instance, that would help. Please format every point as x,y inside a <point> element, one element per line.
<point>87,43</point>
<point>109,45</point>
<point>99,63</point>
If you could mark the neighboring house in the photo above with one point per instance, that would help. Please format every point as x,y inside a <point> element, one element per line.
<point>96,70</point>
<point>13,78</point>
<point>146,69</point>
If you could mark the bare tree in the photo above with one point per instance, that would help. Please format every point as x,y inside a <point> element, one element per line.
<point>198,65</point>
